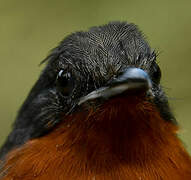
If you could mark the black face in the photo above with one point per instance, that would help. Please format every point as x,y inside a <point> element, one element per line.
<point>81,64</point>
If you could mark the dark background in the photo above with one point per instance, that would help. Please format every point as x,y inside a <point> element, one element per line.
<point>30,29</point>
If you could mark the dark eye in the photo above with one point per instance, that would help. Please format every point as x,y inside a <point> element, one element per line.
<point>64,83</point>
<point>156,74</point>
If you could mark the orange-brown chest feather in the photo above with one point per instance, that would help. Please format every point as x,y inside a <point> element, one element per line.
<point>124,139</point>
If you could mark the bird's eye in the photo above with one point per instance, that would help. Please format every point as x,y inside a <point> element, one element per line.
<point>64,83</point>
<point>156,74</point>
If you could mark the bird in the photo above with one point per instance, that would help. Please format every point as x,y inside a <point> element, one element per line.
<point>97,112</point>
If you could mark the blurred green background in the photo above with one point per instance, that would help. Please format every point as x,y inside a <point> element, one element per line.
<point>29,29</point>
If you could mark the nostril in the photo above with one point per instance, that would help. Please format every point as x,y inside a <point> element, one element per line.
<point>134,73</point>
<point>134,76</point>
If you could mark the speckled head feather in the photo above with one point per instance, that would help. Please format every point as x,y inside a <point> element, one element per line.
<point>104,51</point>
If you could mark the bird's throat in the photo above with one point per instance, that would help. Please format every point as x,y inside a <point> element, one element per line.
<point>125,127</point>
<point>122,139</point>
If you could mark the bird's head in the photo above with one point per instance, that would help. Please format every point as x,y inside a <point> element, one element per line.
<point>109,71</point>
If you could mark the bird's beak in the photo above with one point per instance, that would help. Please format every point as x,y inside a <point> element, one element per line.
<point>132,79</point>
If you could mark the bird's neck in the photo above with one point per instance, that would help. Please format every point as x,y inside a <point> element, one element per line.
<point>124,139</point>
<point>125,133</point>
<point>126,128</point>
